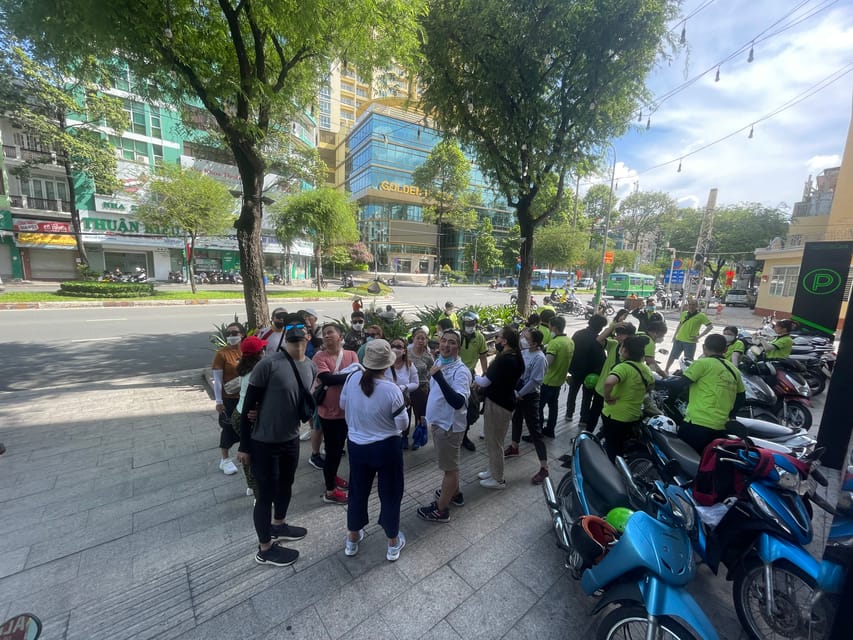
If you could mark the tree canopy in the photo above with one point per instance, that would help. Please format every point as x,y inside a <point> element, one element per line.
<point>533,87</point>
<point>251,64</point>
<point>646,212</point>
<point>186,198</point>
<point>483,249</point>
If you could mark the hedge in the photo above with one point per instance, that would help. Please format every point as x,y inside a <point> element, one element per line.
<point>87,289</point>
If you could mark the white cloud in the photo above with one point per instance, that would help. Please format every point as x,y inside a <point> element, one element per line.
<point>772,166</point>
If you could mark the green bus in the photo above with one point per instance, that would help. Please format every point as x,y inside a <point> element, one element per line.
<point>622,285</point>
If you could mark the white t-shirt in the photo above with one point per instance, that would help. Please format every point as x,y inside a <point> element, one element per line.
<point>438,411</point>
<point>376,418</point>
<point>407,377</point>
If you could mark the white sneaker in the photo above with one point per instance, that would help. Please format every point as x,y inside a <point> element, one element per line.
<point>306,434</point>
<point>484,475</point>
<point>351,548</point>
<point>227,467</point>
<point>249,492</point>
<point>394,552</point>
<point>491,483</point>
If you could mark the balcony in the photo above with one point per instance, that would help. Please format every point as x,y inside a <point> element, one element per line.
<point>40,204</point>
<point>15,152</point>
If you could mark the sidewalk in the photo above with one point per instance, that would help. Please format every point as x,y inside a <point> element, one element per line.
<point>118,524</point>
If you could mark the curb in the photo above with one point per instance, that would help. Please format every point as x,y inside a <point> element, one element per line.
<point>13,306</point>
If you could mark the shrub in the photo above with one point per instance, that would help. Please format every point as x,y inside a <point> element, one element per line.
<point>85,272</point>
<point>89,289</point>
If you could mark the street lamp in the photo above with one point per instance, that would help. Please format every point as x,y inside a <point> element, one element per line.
<point>671,268</point>
<point>606,227</point>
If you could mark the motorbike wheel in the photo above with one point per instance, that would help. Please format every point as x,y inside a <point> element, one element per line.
<point>817,384</point>
<point>609,310</point>
<point>798,416</point>
<point>793,592</point>
<point>630,622</point>
<point>642,466</point>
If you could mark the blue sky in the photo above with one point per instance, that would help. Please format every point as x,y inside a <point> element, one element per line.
<point>772,166</point>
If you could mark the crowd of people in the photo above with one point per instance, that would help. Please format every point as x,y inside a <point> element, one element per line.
<point>371,395</point>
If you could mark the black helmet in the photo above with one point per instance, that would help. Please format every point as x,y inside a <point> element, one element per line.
<point>470,316</point>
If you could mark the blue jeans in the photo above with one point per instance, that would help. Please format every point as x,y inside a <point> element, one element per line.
<point>366,461</point>
<point>548,396</point>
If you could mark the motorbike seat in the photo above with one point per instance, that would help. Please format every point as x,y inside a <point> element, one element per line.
<point>678,451</point>
<point>788,364</point>
<point>767,430</point>
<point>603,486</point>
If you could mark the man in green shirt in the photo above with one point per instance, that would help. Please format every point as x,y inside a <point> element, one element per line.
<point>546,314</point>
<point>472,350</point>
<point>687,333</point>
<point>624,390</point>
<point>716,391</point>
<point>450,313</point>
<point>620,332</point>
<point>559,355</point>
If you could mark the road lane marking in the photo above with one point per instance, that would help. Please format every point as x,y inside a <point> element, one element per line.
<point>107,320</point>
<point>98,339</point>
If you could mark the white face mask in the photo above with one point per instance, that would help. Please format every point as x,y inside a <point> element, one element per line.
<point>729,338</point>
<point>397,350</point>
<point>357,326</point>
<point>524,343</point>
<point>553,334</point>
<point>233,340</point>
<point>469,329</point>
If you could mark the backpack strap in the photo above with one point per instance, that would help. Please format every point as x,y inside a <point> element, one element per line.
<point>639,373</point>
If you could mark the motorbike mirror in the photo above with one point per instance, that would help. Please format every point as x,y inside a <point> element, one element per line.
<point>25,626</point>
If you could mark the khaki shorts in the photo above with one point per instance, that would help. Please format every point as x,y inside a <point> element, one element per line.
<point>447,445</point>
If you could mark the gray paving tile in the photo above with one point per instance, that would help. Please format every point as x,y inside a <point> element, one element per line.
<point>239,621</point>
<point>422,606</point>
<point>37,578</point>
<point>13,561</point>
<point>305,625</point>
<point>424,556</point>
<point>75,541</point>
<point>374,628</point>
<point>172,510</point>
<point>492,609</point>
<point>563,612</point>
<point>480,562</point>
<point>441,631</point>
<point>540,566</point>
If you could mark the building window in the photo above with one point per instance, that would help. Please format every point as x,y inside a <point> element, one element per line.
<point>156,126</point>
<point>783,281</point>
<point>136,116</point>
<point>325,122</point>
<point>347,86</point>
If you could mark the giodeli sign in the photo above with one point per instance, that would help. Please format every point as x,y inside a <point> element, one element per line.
<point>408,189</point>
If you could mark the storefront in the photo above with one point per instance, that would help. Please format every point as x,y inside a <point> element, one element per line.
<point>10,257</point>
<point>47,248</point>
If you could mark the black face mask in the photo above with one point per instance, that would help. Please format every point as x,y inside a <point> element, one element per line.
<point>499,347</point>
<point>278,324</point>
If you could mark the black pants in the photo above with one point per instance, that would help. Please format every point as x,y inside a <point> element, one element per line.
<point>366,461</point>
<point>586,400</point>
<point>274,467</point>
<point>335,436</point>
<point>616,433</point>
<point>594,411</point>
<point>548,397</point>
<point>227,436</point>
<point>527,410</point>
<point>698,436</point>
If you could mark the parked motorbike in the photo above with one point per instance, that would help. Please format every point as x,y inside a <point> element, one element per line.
<point>347,282</point>
<point>792,406</point>
<point>176,276</point>
<point>645,571</point>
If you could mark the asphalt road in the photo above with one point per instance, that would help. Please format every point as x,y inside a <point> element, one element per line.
<point>46,348</point>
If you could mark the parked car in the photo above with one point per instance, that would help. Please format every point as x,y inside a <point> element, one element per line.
<point>740,297</point>
<point>586,283</point>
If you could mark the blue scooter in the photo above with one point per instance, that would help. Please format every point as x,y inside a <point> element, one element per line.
<point>645,571</point>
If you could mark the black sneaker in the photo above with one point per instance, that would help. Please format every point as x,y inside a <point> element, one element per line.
<point>468,444</point>
<point>432,513</point>
<point>287,532</point>
<point>276,555</point>
<point>317,460</point>
<point>457,500</point>
<point>565,457</point>
<point>527,438</point>
<point>548,433</point>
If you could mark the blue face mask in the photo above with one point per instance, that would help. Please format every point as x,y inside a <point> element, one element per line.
<point>443,361</point>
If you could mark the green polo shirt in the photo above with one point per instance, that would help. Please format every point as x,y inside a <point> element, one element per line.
<point>611,347</point>
<point>562,348</point>
<point>715,385</point>
<point>735,347</point>
<point>688,328</point>
<point>634,380</point>
<point>649,351</point>
<point>471,349</point>
<point>780,348</point>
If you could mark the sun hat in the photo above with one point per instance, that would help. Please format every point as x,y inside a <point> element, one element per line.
<point>307,311</point>
<point>378,354</point>
<point>252,346</point>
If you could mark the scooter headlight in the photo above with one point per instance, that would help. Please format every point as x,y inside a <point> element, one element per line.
<point>767,510</point>
<point>683,509</point>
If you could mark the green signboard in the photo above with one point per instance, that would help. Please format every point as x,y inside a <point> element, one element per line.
<point>5,220</point>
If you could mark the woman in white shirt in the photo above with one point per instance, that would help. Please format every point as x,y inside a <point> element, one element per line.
<point>376,414</point>
<point>404,374</point>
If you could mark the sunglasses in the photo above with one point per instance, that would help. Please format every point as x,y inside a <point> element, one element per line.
<point>372,335</point>
<point>398,346</point>
<point>232,333</point>
<point>294,326</point>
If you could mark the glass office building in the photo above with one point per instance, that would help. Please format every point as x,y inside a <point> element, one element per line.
<point>386,145</point>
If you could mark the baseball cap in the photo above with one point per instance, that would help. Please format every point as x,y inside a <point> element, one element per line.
<point>252,346</point>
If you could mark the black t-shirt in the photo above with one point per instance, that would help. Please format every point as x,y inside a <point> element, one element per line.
<point>504,372</point>
<point>589,354</point>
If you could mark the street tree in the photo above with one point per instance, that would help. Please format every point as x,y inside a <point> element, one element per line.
<point>445,176</point>
<point>646,212</point>
<point>595,203</point>
<point>250,64</point>
<point>510,248</point>
<point>533,87</point>
<point>326,216</point>
<point>483,250</point>
<point>187,199</point>
<point>59,109</point>
<point>350,256</point>
<point>738,230</point>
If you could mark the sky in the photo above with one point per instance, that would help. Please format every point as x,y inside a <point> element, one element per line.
<point>772,166</point>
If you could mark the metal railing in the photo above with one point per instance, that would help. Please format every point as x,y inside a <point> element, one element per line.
<point>41,204</point>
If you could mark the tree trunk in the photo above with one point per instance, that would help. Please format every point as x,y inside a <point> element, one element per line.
<point>318,264</point>
<point>288,261</point>
<point>75,212</point>
<point>526,253</point>
<point>190,267</point>
<point>248,226</point>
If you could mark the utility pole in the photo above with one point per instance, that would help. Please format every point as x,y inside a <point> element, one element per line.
<point>703,244</point>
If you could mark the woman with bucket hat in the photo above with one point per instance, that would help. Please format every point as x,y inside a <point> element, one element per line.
<point>376,415</point>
